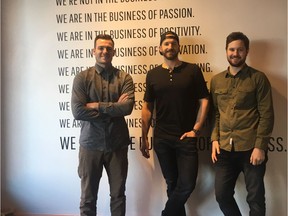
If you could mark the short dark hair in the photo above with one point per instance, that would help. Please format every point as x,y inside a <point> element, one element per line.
<point>104,37</point>
<point>237,36</point>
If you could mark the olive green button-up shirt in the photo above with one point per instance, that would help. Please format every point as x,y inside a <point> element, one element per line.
<point>244,115</point>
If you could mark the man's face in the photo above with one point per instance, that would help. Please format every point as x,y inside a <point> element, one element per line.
<point>104,51</point>
<point>169,48</point>
<point>236,53</point>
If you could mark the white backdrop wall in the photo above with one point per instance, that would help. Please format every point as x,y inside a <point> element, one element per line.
<point>45,43</point>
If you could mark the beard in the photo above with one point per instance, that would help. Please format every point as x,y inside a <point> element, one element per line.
<point>170,54</point>
<point>238,63</point>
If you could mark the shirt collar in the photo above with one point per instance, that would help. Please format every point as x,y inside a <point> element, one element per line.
<point>244,70</point>
<point>100,69</point>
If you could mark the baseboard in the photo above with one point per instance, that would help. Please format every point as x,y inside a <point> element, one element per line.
<point>43,215</point>
<point>26,214</point>
<point>14,213</point>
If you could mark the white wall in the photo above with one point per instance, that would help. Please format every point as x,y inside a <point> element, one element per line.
<point>1,100</point>
<point>39,176</point>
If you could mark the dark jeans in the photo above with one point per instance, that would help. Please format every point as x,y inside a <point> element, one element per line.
<point>179,164</point>
<point>228,168</point>
<point>90,169</point>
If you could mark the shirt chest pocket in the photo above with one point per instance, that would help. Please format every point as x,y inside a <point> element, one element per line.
<point>222,97</point>
<point>246,97</point>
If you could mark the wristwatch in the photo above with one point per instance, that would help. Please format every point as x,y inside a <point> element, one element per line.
<point>197,132</point>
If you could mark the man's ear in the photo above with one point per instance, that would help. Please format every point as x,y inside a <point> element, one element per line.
<point>160,50</point>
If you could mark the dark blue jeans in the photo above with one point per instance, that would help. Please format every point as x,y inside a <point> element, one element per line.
<point>179,164</point>
<point>228,167</point>
<point>90,169</point>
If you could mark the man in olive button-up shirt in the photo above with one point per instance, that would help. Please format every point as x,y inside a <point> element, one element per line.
<point>244,109</point>
<point>244,121</point>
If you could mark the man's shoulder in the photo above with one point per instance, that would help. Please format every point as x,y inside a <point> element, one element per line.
<point>219,75</point>
<point>88,72</point>
<point>189,64</point>
<point>258,76</point>
<point>120,73</point>
<point>155,70</point>
<point>189,68</point>
<point>255,72</point>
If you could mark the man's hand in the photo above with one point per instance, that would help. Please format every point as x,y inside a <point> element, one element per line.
<point>257,156</point>
<point>145,147</point>
<point>93,105</point>
<point>215,151</point>
<point>188,134</point>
